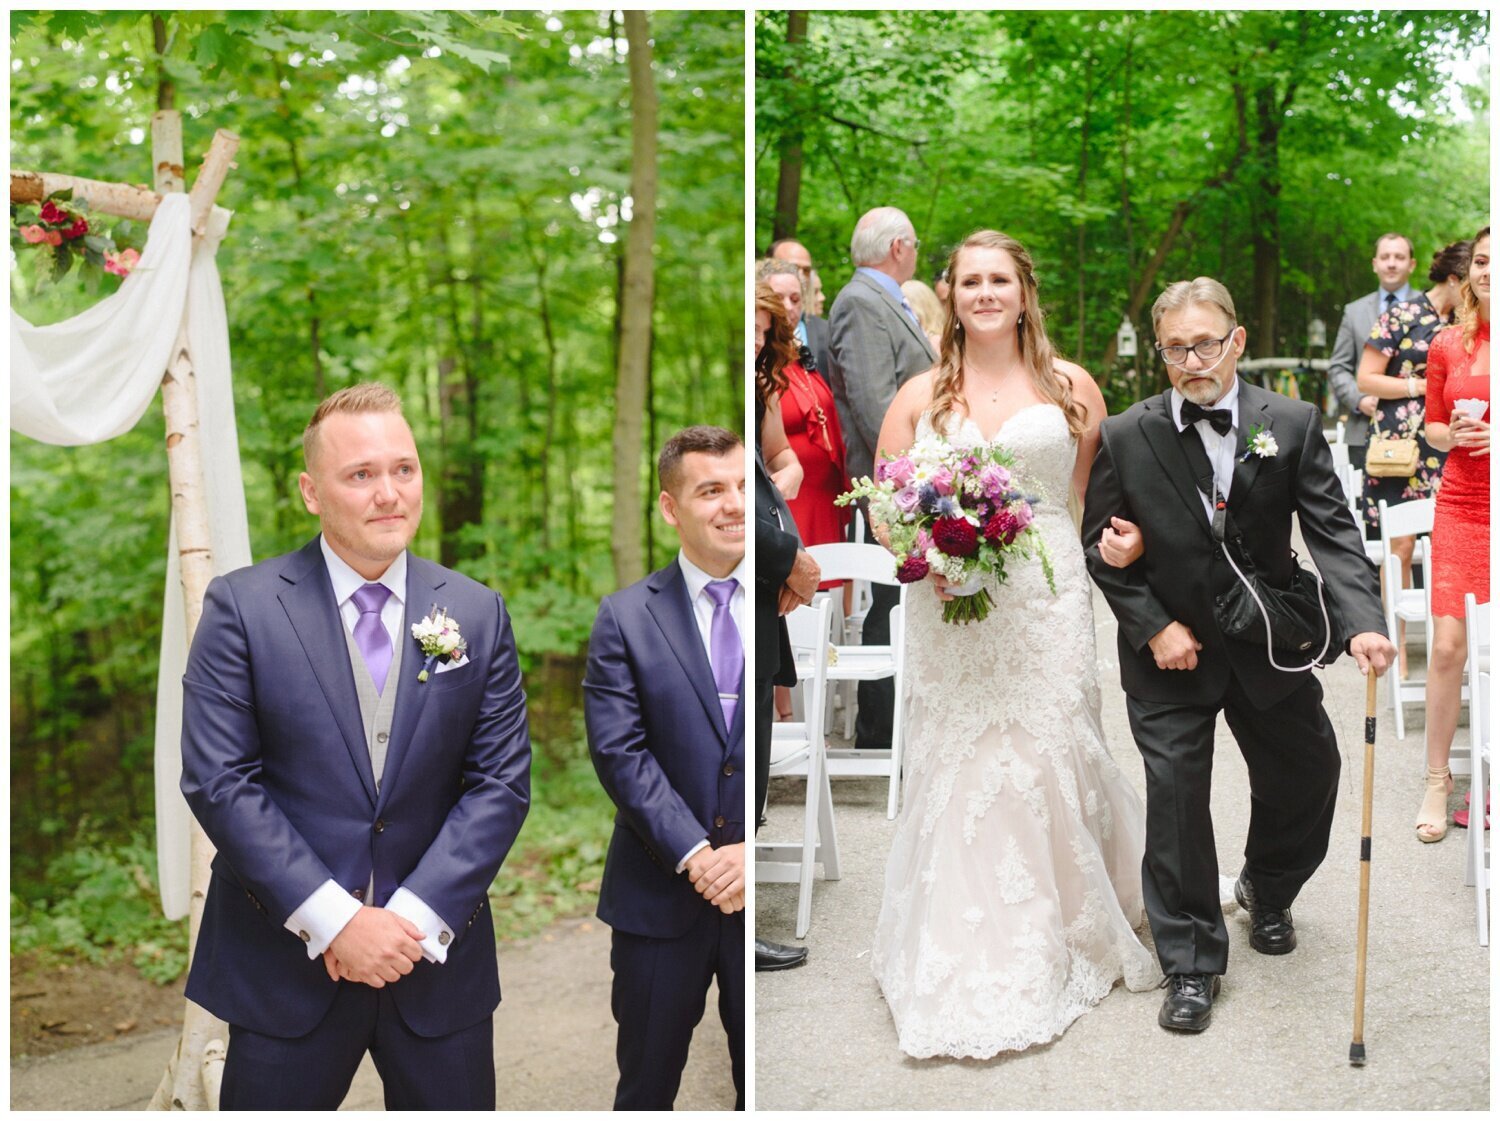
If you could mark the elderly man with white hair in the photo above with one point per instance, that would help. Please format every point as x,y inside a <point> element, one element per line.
<point>875,346</point>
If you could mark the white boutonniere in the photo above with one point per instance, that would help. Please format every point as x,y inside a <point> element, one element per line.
<point>439,639</point>
<point>1262,444</point>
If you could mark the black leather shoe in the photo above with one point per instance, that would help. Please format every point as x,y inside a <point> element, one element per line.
<point>1190,1001</point>
<point>1271,930</point>
<point>773,955</point>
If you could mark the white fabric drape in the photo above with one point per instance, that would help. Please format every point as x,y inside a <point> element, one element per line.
<point>90,378</point>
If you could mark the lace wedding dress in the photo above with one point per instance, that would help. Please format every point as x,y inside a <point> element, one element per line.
<point>1014,880</point>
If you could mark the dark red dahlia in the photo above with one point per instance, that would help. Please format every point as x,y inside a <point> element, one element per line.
<point>913,569</point>
<point>1002,528</point>
<point>955,536</point>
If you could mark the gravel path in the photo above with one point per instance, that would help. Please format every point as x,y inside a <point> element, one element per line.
<point>554,1043</point>
<point>1282,1025</point>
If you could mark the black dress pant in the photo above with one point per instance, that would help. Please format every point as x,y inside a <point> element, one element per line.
<point>658,997</point>
<point>765,693</point>
<point>1293,760</point>
<point>877,699</point>
<point>454,1071</point>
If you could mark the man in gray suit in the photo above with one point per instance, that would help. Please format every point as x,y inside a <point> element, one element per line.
<point>812,329</point>
<point>1393,263</point>
<point>875,346</point>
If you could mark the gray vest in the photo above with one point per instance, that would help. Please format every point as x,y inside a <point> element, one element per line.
<point>375,711</point>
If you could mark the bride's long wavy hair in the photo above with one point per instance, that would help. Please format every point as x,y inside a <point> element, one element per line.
<point>1036,348</point>
<point>780,347</point>
<point>1468,303</point>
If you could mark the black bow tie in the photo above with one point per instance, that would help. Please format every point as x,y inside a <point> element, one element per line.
<point>1222,420</point>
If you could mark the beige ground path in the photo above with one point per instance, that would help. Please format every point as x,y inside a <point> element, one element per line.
<point>1281,1029</point>
<point>554,1043</point>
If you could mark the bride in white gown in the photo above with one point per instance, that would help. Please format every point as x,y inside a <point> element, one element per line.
<point>1013,885</point>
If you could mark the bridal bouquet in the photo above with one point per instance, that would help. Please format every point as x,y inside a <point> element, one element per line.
<point>956,512</point>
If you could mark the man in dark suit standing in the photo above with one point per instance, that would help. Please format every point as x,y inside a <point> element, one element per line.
<point>812,329</point>
<point>786,577</point>
<point>875,346</point>
<point>1167,464</point>
<point>360,811</point>
<point>1393,263</point>
<point>663,705</point>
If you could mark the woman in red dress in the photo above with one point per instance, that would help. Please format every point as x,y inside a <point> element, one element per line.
<point>1458,397</point>
<point>812,426</point>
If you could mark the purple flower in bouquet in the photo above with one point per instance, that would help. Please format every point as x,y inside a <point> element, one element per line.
<point>948,507</point>
<point>900,471</point>
<point>912,569</point>
<point>927,498</point>
<point>994,479</point>
<point>907,499</point>
<point>942,479</point>
<point>923,542</point>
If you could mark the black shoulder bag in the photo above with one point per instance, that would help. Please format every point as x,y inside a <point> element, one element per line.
<point>1294,619</point>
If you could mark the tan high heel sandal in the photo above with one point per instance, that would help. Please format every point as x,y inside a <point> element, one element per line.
<point>1432,818</point>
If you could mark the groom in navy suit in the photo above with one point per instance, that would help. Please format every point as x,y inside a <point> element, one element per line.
<point>664,706</point>
<point>360,812</point>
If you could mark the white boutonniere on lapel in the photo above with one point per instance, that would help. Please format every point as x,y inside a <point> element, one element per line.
<point>439,639</point>
<point>1262,444</point>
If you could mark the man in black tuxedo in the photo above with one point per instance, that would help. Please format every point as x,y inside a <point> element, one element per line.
<point>785,576</point>
<point>1158,466</point>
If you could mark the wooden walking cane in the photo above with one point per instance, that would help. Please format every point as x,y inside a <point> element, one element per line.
<point>1357,1047</point>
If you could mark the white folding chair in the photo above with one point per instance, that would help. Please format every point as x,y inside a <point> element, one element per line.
<point>799,748</point>
<point>855,663</point>
<point>1477,670</point>
<point>1405,605</point>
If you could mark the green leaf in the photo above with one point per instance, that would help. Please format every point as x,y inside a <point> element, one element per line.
<point>73,24</point>
<point>213,47</point>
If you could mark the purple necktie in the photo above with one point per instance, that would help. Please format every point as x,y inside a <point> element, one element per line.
<point>726,649</point>
<point>370,635</point>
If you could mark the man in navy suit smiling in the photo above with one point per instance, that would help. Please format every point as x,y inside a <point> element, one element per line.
<point>360,807</point>
<point>665,712</point>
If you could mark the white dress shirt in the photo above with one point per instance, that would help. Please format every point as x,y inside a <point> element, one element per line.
<point>703,615</point>
<point>324,913</point>
<point>1220,449</point>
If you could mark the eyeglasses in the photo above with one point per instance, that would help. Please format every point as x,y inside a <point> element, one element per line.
<point>1207,350</point>
<point>913,242</point>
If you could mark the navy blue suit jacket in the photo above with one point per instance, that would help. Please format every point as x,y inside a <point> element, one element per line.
<point>657,737</point>
<point>277,771</point>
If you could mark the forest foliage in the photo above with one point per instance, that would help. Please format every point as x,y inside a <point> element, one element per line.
<point>438,200</point>
<point>1129,149</point>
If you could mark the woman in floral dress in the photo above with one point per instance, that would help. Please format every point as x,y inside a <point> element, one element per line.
<point>1393,370</point>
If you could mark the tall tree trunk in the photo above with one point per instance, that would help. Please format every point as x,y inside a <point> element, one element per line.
<point>1081,268</point>
<point>1265,222</point>
<point>1180,213</point>
<point>1125,127</point>
<point>461,490</point>
<point>166,89</point>
<point>637,299</point>
<point>789,176</point>
<point>315,322</point>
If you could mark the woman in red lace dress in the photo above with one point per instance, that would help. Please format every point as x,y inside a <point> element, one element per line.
<point>812,425</point>
<point>1458,422</point>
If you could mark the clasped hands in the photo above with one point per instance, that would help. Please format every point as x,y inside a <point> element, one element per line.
<point>718,874</point>
<point>377,947</point>
<point>801,584</point>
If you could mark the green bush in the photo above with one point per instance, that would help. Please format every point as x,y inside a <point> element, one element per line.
<point>102,906</point>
